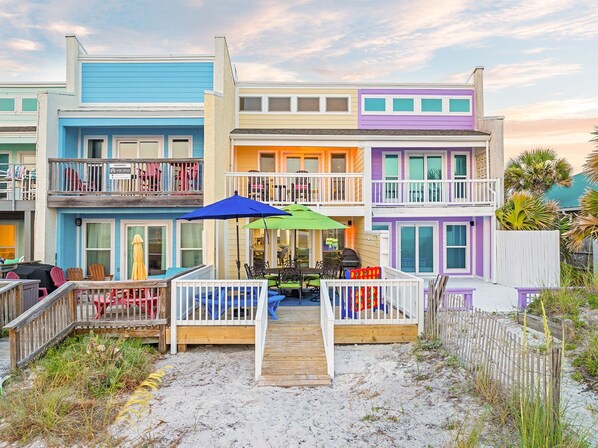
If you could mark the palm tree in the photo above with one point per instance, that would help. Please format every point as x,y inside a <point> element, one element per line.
<point>536,171</point>
<point>586,224</point>
<point>526,211</point>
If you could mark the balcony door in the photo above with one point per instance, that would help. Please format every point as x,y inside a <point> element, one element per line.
<point>303,189</point>
<point>156,248</point>
<point>391,177</point>
<point>309,163</point>
<point>417,252</point>
<point>142,148</point>
<point>424,167</point>
<point>338,186</point>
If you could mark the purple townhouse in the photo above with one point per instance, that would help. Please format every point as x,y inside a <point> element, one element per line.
<point>435,175</point>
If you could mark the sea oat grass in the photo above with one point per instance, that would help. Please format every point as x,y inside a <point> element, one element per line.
<point>74,392</point>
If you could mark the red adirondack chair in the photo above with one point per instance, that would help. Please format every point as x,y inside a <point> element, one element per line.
<point>72,181</point>
<point>43,292</point>
<point>57,276</point>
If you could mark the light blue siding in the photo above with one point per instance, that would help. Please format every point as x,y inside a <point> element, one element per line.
<point>146,82</point>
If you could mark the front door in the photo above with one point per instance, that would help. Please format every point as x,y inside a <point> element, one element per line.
<point>338,165</point>
<point>426,169</point>
<point>416,251</point>
<point>156,251</point>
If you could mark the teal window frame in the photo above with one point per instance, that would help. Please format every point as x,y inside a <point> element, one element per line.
<point>459,105</point>
<point>374,104</point>
<point>7,104</point>
<point>454,247</point>
<point>403,105</point>
<point>431,104</point>
<point>28,104</point>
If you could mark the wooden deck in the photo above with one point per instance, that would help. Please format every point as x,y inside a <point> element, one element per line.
<point>294,353</point>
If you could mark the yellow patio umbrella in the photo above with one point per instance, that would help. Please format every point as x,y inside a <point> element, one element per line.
<point>138,272</point>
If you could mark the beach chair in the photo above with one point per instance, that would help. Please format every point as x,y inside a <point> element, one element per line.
<point>57,276</point>
<point>97,274</point>
<point>72,181</point>
<point>42,292</point>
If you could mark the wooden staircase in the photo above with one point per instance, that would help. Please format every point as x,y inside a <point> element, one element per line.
<point>294,353</point>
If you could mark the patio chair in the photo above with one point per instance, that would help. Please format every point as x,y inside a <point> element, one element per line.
<point>42,292</point>
<point>290,279</point>
<point>75,274</point>
<point>329,271</point>
<point>72,181</point>
<point>97,274</point>
<point>150,177</point>
<point>256,187</point>
<point>57,276</point>
<point>301,189</point>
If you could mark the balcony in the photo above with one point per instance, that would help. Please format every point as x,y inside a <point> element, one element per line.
<point>313,189</point>
<point>125,182</point>
<point>435,193</point>
<point>18,186</point>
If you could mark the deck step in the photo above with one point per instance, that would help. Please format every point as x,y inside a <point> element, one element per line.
<point>294,353</point>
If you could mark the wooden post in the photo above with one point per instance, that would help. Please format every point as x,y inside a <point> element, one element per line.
<point>18,302</point>
<point>555,382</point>
<point>13,337</point>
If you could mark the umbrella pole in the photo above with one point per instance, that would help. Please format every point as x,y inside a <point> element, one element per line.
<point>238,251</point>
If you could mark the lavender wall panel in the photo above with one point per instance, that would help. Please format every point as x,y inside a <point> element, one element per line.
<point>415,121</point>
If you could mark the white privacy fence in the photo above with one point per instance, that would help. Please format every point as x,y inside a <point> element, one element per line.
<point>397,298</point>
<point>528,258</point>
<point>197,299</point>
<point>327,326</point>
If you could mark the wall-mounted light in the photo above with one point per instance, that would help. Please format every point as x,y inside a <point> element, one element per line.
<point>350,222</point>
<point>78,222</point>
<point>471,223</point>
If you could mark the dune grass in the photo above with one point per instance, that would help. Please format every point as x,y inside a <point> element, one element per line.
<point>73,393</point>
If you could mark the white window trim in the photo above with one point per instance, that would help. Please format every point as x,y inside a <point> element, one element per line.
<point>435,235</point>
<point>18,102</point>
<point>84,223</point>
<point>123,242</point>
<point>179,249</point>
<point>293,98</point>
<point>171,138</point>
<point>468,248</point>
<point>417,105</point>
<point>442,154</point>
<point>259,159</point>
<point>318,97</point>
<point>137,138</point>
<point>104,138</point>
<point>468,164</point>
<point>399,155</point>
<point>289,97</point>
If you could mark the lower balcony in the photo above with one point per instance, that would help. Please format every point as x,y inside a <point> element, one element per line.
<point>313,189</point>
<point>125,183</point>
<point>435,193</point>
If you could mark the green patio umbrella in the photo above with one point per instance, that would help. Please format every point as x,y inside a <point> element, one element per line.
<point>300,218</point>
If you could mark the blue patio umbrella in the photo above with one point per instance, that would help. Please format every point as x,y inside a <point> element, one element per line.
<point>234,207</point>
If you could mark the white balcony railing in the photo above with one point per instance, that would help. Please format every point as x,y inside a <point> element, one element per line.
<point>305,188</point>
<point>433,193</point>
<point>18,182</point>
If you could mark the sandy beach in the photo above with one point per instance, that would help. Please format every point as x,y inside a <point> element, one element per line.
<point>381,396</point>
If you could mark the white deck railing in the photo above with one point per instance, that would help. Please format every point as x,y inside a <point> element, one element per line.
<point>261,329</point>
<point>397,298</point>
<point>197,299</point>
<point>18,182</point>
<point>435,192</point>
<point>327,325</point>
<point>306,188</point>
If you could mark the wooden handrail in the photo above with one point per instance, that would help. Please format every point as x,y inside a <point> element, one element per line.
<point>165,160</point>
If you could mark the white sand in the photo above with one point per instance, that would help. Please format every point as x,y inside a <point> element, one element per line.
<point>380,397</point>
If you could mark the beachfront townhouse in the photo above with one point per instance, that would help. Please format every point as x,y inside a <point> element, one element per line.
<point>18,174</point>
<point>413,171</point>
<point>133,143</point>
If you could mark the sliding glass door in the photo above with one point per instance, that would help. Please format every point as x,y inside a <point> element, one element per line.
<point>425,168</point>
<point>156,252</point>
<point>417,252</point>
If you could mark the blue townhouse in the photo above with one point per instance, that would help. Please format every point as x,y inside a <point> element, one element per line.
<point>125,147</point>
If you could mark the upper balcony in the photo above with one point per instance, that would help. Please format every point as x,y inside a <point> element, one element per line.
<point>312,189</point>
<point>18,186</point>
<point>125,182</point>
<point>435,193</point>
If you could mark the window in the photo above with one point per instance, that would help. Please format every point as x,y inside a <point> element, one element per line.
<point>29,104</point>
<point>402,105</point>
<point>29,160</point>
<point>374,104</point>
<point>306,104</point>
<point>337,104</point>
<point>95,148</point>
<point>190,244</point>
<point>8,241</point>
<point>381,227</point>
<point>391,176</point>
<point>279,104</point>
<point>456,246</point>
<point>459,105</point>
<point>460,173</point>
<point>98,245</point>
<point>180,148</point>
<point>431,105</point>
<point>7,104</point>
<point>139,149</point>
<point>267,163</point>
<point>250,104</point>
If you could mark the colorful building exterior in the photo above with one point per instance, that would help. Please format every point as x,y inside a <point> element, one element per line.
<point>18,171</point>
<point>133,142</point>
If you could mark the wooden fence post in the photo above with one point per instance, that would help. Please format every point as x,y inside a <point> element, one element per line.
<point>555,382</point>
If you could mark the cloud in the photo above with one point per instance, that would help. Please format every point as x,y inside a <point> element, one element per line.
<point>553,109</point>
<point>254,71</point>
<point>64,28</point>
<point>23,45</point>
<point>536,50</point>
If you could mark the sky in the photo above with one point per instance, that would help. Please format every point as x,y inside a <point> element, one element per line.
<point>540,56</point>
